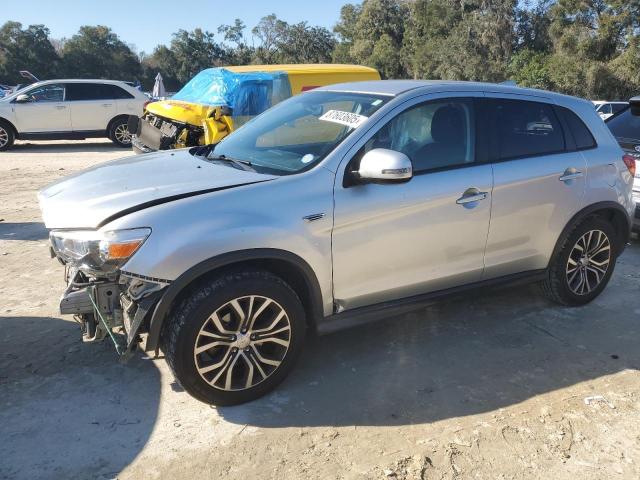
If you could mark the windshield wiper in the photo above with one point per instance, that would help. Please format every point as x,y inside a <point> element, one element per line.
<point>239,163</point>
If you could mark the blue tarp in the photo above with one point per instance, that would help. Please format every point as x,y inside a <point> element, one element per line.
<point>247,94</point>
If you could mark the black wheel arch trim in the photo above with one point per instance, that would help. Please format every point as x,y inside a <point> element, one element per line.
<point>11,125</point>
<point>584,213</point>
<point>124,116</point>
<point>166,302</point>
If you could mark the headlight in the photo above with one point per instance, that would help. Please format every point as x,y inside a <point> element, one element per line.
<point>96,251</point>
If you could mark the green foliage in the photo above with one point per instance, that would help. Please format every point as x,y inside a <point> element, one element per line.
<point>530,68</point>
<point>281,42</point>
<point>372,34</point>
<point>97,52</point>
<point>162,61</point>
<point>26,49</point>
<point>472,41</point>
<point>589,48</point>
<point>194,51</point>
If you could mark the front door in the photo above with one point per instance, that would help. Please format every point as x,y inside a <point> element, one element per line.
<point>46,110</point>
<point>397,240</point>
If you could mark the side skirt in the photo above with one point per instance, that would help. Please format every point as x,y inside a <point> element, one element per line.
<point>77,135</point>
<point>362,315</point>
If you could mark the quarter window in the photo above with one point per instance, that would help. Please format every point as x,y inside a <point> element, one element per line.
<point>114,91</point>
<point>581,134</point>
<point>618,107</point>
<point>526,129</point>
<point>434,135</point>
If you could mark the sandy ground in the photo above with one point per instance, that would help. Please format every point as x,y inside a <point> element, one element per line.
<point>492,386</point>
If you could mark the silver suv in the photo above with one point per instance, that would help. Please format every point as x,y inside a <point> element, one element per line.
<point>344,204</point>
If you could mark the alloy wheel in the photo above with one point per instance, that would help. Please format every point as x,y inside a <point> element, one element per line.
<point>4,137</point>
<point>588,262</point>
<point>242,343</point>
<point>122,133</point>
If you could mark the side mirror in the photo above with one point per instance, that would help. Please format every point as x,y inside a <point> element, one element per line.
<point>385,166</point>
<point>635,106</point>
<point>23,98</point>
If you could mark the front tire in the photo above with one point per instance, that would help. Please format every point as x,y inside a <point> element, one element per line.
<point>582,267</point>
<point>236,338</point>
<point>7,136</point>
<point>119,133</point>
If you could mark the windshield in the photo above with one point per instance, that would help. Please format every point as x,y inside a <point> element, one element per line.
<point>624,125</point>
<point>298,133</point>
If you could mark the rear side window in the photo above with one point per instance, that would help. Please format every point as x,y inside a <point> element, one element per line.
<point>525,129</point>
<point>95,91</point>
<point>580,132</point>
<point>83,91</point>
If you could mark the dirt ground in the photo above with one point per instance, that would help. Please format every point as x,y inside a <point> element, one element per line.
<point>500,384</point>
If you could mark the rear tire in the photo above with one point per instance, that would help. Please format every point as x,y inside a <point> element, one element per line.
<point>217,357</point>
<point>7,136</point>
<point>582,267</point>
<point>119,133</point>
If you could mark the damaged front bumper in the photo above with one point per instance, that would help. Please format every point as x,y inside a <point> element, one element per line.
<point>152,133</point>
<point>118,307</point>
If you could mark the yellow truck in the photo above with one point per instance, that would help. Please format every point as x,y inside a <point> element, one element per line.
<point>218,100</point>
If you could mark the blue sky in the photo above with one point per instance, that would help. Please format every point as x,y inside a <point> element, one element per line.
<point>147,23</point>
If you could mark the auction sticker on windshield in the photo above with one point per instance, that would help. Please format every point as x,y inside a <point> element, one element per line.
<point>349,119</point>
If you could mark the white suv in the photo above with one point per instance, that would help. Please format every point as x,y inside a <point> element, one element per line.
<point>70,109</point>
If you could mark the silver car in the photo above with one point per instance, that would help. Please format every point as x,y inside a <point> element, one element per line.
<point>344,204</point>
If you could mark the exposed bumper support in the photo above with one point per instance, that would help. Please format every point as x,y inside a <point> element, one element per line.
<point>104,306</point>
<point>147,137</point>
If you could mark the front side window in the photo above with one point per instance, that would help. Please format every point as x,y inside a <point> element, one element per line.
<point>47,93</point>
<point>525,129</point>
<point>434,135</point>
<point>298,133</point>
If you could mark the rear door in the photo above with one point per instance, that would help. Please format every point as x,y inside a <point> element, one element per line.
<point>126,103</point>
<point>92,106</point>
<point>46,111</point>
<point>538,184</point>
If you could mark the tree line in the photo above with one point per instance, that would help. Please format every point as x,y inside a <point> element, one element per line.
<point>589,48</point>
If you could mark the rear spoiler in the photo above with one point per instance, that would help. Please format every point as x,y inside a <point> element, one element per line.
<point>635,106</point>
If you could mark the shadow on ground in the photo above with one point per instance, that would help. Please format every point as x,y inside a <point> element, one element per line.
<point>23,231</point>
<point>489,350</point>
<point>69,410</point>
<point>70,146</point>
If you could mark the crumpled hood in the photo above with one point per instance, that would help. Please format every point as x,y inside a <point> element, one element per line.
<point>186,112</point>
<point>90,198</point>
